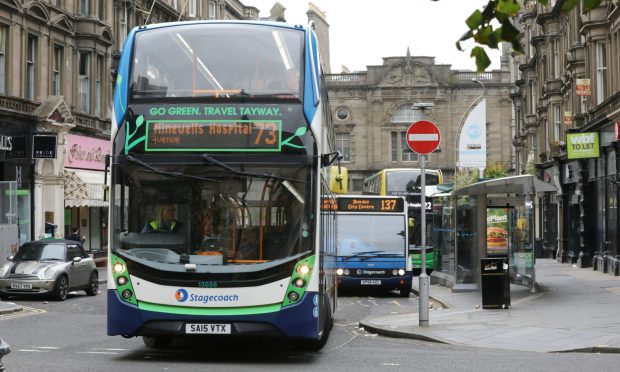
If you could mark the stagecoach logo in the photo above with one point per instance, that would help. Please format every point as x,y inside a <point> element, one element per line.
<point>373,272</point>
<point>181,295</point>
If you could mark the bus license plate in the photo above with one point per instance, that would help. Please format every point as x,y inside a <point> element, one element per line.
<point>208,328</point>
<point>21,285</point>
<point>370,282</point>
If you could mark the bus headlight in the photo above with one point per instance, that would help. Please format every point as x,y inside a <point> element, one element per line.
<point>346,272</point>
<point>401,272</point>
<point>303,269</point>
<point>118,268</point>
<point>299,283</point>
<point>127,294</point>
<point>394,272</point>
<point>121,281</point>
<point>339,271</point>
<point>293,296</point>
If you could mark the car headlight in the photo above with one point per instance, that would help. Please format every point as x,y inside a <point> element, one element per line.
<point>3,270</point>
<point>47,273</point>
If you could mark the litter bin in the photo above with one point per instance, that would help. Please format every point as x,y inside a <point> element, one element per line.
<point>495,283</point>
<point>538,248</point>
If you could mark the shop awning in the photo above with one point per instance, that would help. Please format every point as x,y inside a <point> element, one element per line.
<point>84,188</point>
<point>524,184</point>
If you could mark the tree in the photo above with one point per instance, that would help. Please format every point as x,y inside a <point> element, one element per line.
<point>496,170</point>
<point>502,11</point>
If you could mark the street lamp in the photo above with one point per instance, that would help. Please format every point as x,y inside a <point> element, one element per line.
<point>458,131</point>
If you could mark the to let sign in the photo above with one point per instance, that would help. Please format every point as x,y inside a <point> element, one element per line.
<point>583,87</point>
<point>423,137</point>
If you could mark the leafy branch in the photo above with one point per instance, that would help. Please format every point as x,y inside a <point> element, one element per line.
<point>483,33</point>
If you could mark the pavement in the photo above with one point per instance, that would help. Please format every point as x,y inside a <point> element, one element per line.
<point>574,310</point>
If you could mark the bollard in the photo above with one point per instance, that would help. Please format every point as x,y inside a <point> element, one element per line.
<point>4,350</point>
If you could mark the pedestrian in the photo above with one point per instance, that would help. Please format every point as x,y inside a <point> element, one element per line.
<point>75,235</point>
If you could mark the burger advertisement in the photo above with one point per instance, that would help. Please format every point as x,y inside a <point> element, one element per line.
<point>497,232</point>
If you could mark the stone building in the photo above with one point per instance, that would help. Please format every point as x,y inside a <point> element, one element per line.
<point>372,110</point>
<point>57,62</point>
<point>567,93</point>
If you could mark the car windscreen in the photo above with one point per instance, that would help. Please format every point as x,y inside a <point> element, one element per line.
<point>40,252</point>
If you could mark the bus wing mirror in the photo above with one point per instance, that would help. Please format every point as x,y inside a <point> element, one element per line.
<point>338,179</point>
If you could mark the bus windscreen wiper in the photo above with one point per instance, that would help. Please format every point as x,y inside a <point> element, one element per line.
<point>225,166</point>
<point>166,173</point>
<point>362,254</point>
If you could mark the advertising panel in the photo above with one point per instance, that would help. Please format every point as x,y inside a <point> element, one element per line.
<point>497,232</point>
<point>582,145</point>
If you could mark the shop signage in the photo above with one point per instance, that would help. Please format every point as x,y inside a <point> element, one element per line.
<point>582,145</point>
<point>583,87</point>
<point>617,131</point>
<point>44,146</point>
<point>6,143</point>
<point>19,148</point>
<point>86,152</point>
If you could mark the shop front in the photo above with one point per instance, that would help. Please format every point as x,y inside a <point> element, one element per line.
<point>85,207</point>
<point>16,180</point>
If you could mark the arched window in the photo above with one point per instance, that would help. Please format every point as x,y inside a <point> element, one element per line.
<point>404,114</point>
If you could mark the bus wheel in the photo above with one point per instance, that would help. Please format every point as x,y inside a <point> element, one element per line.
<point>405,291</point>
<point>326,327</point>
<point>156,342</point>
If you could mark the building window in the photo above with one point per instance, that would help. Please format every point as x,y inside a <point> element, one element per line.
<point>212,9</point>
<point>557,122</point>
<point>404,114</point>
<point>30,67</point>
<point>57,70</point>
<point>400,149</point>
<point>98,85</point>
<point>191,10</point>
<point>601,72</point>
<point>84,82</point>
<point>343,144</point>
<point>342,114</point>
<point>84,7</point>
<point>533,97</point>
<point>556,59</point>
<point>3,48</point>
<point>101,10</point>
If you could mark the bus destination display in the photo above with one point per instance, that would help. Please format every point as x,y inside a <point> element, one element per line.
<point>214,135</point>
<point>362,204</point>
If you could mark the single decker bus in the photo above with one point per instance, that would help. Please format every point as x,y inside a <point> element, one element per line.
<point>372,243</point>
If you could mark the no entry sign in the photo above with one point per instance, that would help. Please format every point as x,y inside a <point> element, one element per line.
<point>423,137</point>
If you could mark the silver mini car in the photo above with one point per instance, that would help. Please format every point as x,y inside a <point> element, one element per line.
<point>49,266</point>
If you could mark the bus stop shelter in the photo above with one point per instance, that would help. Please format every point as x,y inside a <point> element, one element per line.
<point>492,218</point>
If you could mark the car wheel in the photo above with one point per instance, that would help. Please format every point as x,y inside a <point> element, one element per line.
<point>93,284</point>
<point>61,288</point>
<point>156,342</point>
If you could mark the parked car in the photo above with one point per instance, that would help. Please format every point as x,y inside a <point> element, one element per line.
<point>49,266</point>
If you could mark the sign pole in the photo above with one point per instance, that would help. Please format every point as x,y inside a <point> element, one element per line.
<point>423,137</point>
<point>424,279</point>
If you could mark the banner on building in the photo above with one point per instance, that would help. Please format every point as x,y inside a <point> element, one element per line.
<point>472,145</point>
<point>86,152</point>
<point>582,145</point>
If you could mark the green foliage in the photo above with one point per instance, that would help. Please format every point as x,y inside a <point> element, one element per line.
<point>465,177</point>
<point>502,11</point>
<point>496,170</point>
